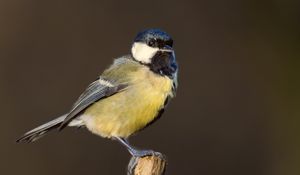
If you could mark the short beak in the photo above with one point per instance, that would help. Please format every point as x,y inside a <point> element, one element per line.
<point>167,48</point>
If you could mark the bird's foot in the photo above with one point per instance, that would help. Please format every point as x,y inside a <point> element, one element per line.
<point>140,157</point>
<point>144,153</point>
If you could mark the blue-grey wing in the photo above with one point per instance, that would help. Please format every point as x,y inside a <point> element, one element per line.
<point>96,91</point>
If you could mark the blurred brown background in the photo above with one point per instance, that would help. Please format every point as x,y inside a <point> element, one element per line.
<point>237,109</point>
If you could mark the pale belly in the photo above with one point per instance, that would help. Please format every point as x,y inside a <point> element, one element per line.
<point>128,111</point>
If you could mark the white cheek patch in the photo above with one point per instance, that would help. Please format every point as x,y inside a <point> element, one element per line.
<point>142,52</point>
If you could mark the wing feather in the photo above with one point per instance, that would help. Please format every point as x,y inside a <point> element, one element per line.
<point>95,92</point>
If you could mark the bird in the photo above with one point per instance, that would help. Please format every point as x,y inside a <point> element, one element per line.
<point>127,97</point>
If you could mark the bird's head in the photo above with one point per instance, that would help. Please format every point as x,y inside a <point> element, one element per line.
<point>154,47</point>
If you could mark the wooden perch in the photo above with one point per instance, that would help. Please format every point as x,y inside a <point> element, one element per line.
<point>148,165</point>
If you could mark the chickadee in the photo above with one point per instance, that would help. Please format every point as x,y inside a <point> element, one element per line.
<point>130,95</point>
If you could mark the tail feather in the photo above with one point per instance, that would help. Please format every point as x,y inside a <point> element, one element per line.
<point>40,131</point>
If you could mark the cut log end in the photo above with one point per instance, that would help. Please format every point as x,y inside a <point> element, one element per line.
<point>148,165</point>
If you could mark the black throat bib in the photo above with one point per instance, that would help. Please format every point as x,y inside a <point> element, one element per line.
<point>163,63</point>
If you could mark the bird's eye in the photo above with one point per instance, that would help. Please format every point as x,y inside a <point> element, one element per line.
<point>169,43</point>
<point>151,43</point>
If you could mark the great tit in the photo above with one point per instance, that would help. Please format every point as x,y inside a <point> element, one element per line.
<point>128,96</point>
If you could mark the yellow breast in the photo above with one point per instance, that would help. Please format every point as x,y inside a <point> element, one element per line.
<point>129,111</point>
